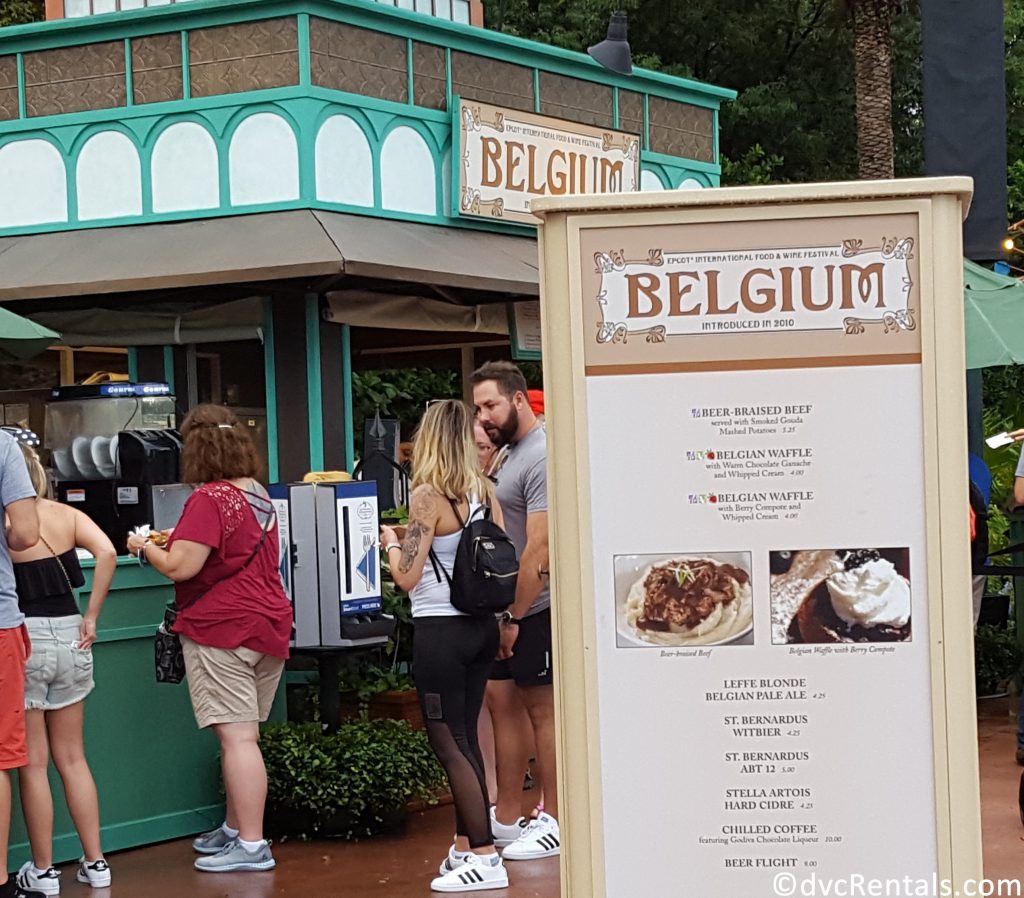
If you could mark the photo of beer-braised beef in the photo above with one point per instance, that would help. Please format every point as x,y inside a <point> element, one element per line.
<point>683,599</point>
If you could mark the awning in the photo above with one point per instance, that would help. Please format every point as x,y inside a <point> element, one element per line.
<point>262,247</point>
<point>993,317</point>
<point>135,325</point>
<point>447,257</point>
<point>366,309</point>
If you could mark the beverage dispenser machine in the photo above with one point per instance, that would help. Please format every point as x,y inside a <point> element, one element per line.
<point>89,429</point>
<point>330,562</point>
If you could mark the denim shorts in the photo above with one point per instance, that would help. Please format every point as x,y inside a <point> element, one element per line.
<point>58,673</point>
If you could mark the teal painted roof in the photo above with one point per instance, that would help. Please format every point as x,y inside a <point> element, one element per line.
<point>156,20</point>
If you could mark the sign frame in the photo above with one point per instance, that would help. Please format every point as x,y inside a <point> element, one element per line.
<point>520,341</point>
<point>469,202</point>
<point>940,205</point>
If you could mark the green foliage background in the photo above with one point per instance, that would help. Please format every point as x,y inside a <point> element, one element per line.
<point>791,61</point>
<point>19,12</point>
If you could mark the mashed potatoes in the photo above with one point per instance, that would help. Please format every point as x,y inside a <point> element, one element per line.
<point>690,601</point>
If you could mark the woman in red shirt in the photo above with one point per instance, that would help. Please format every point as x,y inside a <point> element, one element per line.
<point>234,620</point>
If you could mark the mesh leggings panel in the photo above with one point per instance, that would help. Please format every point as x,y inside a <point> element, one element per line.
<point>452,658</point>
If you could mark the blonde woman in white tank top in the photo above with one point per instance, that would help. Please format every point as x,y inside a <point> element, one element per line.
<point>452,651</point>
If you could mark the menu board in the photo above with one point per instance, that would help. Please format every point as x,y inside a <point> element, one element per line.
<point>758,592</point>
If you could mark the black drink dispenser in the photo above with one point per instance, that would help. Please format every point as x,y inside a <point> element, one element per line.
<point>86,427</point>
<point>149,490</point>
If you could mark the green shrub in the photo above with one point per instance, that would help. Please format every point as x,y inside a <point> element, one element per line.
<point>997,659</point>
<point>367,769</point>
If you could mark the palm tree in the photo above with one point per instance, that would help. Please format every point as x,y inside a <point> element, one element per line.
<point>872,51</point>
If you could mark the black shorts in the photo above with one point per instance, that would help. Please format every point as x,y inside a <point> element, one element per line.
<point>531,662</point>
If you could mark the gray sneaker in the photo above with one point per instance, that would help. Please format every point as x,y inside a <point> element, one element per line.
<point>233,858</point>
<point>214,841</point>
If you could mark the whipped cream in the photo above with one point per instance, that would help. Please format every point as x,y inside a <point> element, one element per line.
<point>873,595</point>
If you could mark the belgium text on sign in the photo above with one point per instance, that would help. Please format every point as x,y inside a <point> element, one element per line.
<point>508,158</point>
<point>845,287</point>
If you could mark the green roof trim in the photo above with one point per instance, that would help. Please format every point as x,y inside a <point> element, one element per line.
<point>365,13</point>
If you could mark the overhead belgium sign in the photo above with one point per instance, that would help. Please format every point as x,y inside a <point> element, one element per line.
<point>508,158</point>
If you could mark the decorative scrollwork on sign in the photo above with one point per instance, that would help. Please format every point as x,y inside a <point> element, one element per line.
<point>898,248</point>
<point>617,332</point>
<point>901,248</point>
<point>902,320</point>
<point>474,120</point>
<point>615,260</point>
<point>892,322</point>
<point>626,143</point>
<point>612,260</point>
<point>611,332</point>
<point>470,201</point>
<point>470,118</point>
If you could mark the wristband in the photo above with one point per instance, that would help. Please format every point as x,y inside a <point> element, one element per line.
<point>143,561</point>
<point>391,546</point>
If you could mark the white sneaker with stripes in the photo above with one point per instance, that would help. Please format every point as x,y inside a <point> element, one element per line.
<point>452,862</point>
<point>473,875</point>
<point>539,839</point>
<point>506,833</point>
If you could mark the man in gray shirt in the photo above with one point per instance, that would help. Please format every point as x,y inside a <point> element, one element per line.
<point>524,663</point>
<point>21,531</point>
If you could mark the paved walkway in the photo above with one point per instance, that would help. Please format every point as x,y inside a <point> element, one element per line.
<point>402,866</point>
<point>1002,833</point>
<point>382,867</point>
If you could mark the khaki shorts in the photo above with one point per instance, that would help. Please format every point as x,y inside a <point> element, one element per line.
<point>230,685</point>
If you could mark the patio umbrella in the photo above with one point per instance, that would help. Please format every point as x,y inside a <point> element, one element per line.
<point>23,338</point>
<point>994,317</point>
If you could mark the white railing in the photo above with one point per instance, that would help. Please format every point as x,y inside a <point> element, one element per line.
<point>75,9</point>
<point>452,10</point>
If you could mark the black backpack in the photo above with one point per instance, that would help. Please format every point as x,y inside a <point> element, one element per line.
<point>483,580</point>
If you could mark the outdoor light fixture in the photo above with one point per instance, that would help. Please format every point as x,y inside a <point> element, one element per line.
<point>613,52</point>
<point>1008,245</point>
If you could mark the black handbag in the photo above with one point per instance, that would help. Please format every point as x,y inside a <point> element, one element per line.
<point>168,655</point>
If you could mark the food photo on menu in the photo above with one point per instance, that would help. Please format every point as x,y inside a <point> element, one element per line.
<point>840,595</point>
<point>683,600</point>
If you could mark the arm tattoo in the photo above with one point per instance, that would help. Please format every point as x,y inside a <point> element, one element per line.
<point>411,545</point>
<point>422,508</point>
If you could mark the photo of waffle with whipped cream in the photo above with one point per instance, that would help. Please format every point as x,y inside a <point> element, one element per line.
<point>840,595</point>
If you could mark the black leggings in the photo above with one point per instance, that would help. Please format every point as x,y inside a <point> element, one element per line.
<point>452,658</point>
